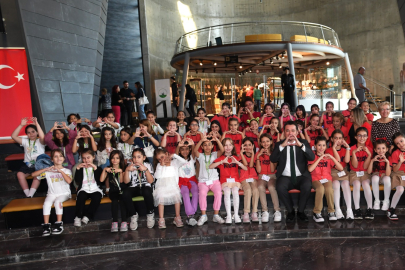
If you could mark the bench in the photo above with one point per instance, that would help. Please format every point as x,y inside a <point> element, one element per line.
<point>263,38</point>
<point>302,38</point>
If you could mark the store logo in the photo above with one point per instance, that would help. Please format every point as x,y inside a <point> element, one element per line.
<point>162,93</point>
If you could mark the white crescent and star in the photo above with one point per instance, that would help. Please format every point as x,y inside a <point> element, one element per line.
<point>19,77</point>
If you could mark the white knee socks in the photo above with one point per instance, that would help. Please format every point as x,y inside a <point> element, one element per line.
<point>227,201</point>
<point>387,187</point>
<point>397,196</point>
<point>356,194</point>
<point>375,179</point>
<point>367,193</point>
<point>347,194</point>
<point>235,196</point>
<point>336,194</point>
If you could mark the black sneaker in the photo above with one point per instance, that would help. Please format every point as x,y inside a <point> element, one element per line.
<point>391,214</point>
<point>46,229</point>
<point>58,228</point>
<point>318,217</point>
<point>290,216</point>
<point>369,214</point>
<point>302,216</point>
<point>358,214</point>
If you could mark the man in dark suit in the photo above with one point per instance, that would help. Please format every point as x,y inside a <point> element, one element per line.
<point>296,152</point>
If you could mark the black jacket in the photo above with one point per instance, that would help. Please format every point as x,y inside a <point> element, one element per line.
<point>301,158</point>
<point>79,177</point>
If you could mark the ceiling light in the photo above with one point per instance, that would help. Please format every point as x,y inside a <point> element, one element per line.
<point>201,63</point>
<point>250,70</point>
<point>215,63</point>
<point>282,55</point>
<point>280,66</point>
<point>327,63</point>
<point>240,65</point>
<point>277,57</point>
<point>271,60</point>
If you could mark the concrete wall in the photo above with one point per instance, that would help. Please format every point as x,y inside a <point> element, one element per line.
<point>65,41</point>
<point>369,30</point>
<point>122,49</point>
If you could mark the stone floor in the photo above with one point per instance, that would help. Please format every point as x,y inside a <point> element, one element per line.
<point>341,253</point>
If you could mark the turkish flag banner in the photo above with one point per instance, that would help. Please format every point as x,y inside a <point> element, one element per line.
<point>15,95</point>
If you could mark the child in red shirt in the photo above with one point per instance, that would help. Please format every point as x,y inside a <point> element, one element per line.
<point>252,131</point>
<point>340,150</point>
<point>228,165</point>
<point>398,172</point>
<point>285,114</point>
<point>194,134</point>
<point>274,129</point>
<point>268,114</point>
<point>300,114</point>
<point>171,138</point>
<point>327,116</point>
<point>267,177</point>
<point>249,180</point>
<point>365,106</point>
<point>359,162</point>
<point>321,172</point>
<point>314,130</point>
<point>351,104</point>
<point>338,123</point>
<point>314,110</point>
<point>380,169</point>
<point>235,135</point>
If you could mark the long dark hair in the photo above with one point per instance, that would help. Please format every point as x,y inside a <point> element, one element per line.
<point>396,135</point>
<point>127,130</point>
<point>120,156</point>
<point>81,140</point>
<point>387,154</point>
<point>140,150</point>
<point>102,142</point>
<point>158,151</point>
<point>301,108</point>
<point>267,135</point>
<point>75,114</point>
<point>216,122</point>
<point>65,138</point>
<point>138,85</point>
<point>280,113</point>
<point>252,142</point>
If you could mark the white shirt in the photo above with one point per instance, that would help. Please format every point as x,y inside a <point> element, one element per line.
<point>210,174</point>
<point>89,184</point>
<point>32,149</point>
<point>117,130</point>
<point>359,79</point>
<point>126,150</point>
<point>203,126</point>
<point>136,177</point>
<point>185,168</point>
<point>158,130</point>
<point>287,169</point>
<point>56,183</point>
<point>102,156</point>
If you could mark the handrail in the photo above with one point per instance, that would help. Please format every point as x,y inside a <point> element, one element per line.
<point>378,83</point>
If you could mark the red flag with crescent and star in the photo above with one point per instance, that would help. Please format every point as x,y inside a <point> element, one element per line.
<point>15,95</point>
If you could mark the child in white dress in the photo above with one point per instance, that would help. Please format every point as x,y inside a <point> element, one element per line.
<point>167,191</point>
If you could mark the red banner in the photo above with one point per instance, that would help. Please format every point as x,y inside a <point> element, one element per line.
<point>15,96</point>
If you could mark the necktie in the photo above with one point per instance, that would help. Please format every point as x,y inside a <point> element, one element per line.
<point>292,165</point>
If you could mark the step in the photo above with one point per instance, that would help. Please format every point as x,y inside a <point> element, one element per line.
<point>37,248</point>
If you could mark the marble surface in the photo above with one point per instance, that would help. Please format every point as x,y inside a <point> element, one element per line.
<point>341,253</point>
<point>87,241</point>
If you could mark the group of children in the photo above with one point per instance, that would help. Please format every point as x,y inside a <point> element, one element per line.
<point>202,156</point>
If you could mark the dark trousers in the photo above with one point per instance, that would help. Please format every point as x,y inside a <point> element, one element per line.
<point>145,191</point>
<point>190,110</point>
<point>126,114</point>
<point>117,201</point>
<point>284,184</point>
<point>81,204</point>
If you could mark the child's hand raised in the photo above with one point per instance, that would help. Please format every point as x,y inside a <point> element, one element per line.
<point>107,169</point>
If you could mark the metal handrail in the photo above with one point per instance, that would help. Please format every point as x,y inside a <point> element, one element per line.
<point>204,36</point>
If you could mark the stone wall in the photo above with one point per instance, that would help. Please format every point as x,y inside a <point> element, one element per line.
<point>369,30</point>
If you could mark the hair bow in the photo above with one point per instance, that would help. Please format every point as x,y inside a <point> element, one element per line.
<point>257,119</point>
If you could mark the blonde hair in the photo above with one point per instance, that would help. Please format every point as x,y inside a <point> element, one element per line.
<point>104,91</point>
<point>382,104</point>
<point>358,116</point>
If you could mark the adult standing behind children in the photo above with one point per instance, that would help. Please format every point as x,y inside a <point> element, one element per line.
<point>287,152</point>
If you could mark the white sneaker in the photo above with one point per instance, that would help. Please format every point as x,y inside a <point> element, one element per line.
<point>191,221</point>
<point>77,222</point>
<point>339,214</point>
<point>332,216</point>
<point>150,220</point>
<point>277,216</point>
<point>228,220</point>
<point>85,220</point>
<point>237,219</point>
<point>376,205</point>
<point>386,205</point>
<point>218,219</point>
<point>203,219</point>
<point>265,217</point>
<point>349,214</point>
<point>318,217</point>
<point>134,222</point>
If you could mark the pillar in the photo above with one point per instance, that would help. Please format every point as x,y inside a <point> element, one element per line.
<point>184,81</point>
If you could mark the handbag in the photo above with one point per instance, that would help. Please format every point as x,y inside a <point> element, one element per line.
<point>143,100</point>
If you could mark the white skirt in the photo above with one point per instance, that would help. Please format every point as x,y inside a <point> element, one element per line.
<point>167,191</point>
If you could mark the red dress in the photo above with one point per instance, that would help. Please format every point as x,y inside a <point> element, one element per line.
<point>237,141</point>
<point>228,170</point>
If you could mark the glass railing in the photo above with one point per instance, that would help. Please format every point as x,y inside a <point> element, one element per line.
<point>273,31</point>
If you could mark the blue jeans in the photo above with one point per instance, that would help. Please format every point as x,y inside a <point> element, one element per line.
<point>141,112</point>
<point>258,103</point>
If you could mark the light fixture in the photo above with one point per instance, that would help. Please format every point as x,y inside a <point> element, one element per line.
<point>240,65</point>
<point>250,70</point>
<point>327,63</point>
<point>214,63</point>
<point>201,63</point>
<point>277,57</point>
<point>280,66</point>
<point>271,60</point>
<point>240,75</point>
<point>282,55</point>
